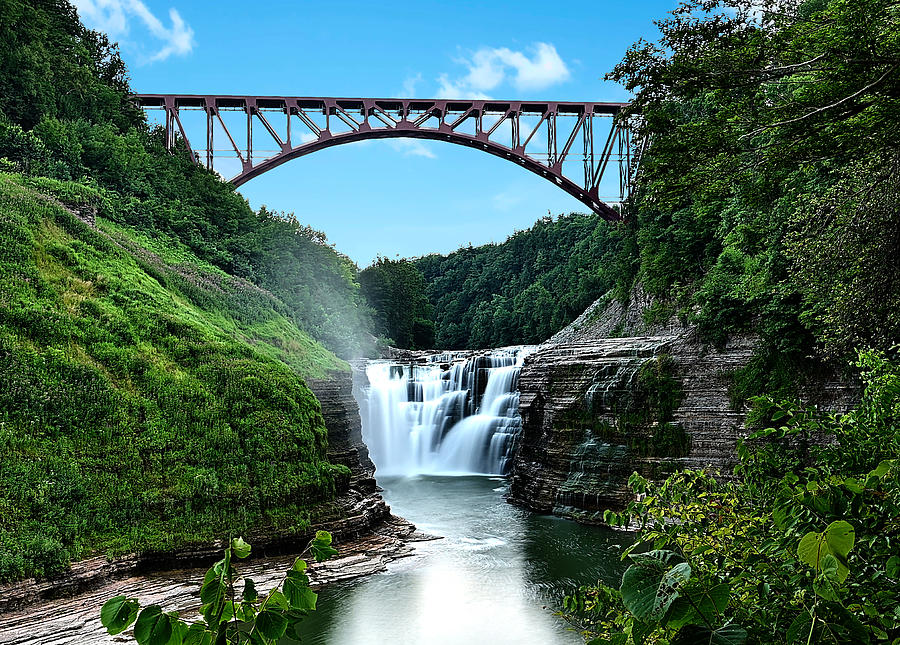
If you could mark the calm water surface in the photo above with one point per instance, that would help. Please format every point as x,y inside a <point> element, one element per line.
<point>496,577</point>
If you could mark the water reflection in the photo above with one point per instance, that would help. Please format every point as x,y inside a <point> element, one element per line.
<point>495,578</point>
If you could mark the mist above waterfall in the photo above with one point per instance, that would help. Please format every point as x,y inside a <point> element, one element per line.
<point>454,413</point>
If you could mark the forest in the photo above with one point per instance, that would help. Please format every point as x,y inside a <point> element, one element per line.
<point>518,292</point>
<point>768,203</point>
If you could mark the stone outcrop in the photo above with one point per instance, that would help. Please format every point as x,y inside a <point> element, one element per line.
<point>356,517</point>
<point>342,418</point>
<point>76,620</point>
<point>612,394</point>
<point>590,419</point>
<point>608,317</point>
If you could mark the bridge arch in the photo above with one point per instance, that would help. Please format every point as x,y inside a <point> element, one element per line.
<point>368,119</point>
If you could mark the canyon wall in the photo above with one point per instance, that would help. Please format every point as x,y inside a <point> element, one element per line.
<point>593,412</point>
<point>612,394</point>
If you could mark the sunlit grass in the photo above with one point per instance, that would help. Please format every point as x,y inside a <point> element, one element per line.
<point>148,400</point>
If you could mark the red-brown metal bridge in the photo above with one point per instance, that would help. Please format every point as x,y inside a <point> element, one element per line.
<point>574,145</point>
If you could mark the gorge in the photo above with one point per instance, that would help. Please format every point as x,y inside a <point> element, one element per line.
<point>673,419</point>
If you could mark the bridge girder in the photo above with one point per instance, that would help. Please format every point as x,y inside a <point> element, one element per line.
<point>506,129</point>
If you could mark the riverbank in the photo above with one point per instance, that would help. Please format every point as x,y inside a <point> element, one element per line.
<point>76,618</point>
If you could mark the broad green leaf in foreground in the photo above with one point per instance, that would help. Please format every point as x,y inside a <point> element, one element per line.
<point>118,613</point>
<point>836,540</point>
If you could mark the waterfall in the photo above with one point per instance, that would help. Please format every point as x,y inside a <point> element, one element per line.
<point>454,413</point>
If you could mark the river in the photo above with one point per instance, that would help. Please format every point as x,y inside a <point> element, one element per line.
<point>496,577</point>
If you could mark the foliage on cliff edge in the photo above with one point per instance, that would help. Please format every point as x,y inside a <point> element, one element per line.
<point>804,549</point>
<point>151,369</point>
<point>147,401</point>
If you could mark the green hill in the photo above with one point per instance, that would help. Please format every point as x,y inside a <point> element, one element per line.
<point>151,360</point>
<point>147,399</point>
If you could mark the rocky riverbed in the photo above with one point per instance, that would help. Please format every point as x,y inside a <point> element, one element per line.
<point>76,619</point>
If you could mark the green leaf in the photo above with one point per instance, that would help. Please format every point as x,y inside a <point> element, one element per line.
<point>153,627</point>
<point>799,629</point>
<point>278,600</point>
<point>893,566</point>
<point>825,589</point>
<point>836,540</point>
<point>699,607</point>
<point>853,485</point>
<point>882,468</point>
<point>271,624</point>
<point>640,631</point>
<point>321,546</point>
<point>212,590</point>
<point>725,635</point>
<point>249,594</point>
<point>651,585</point>
<point>197,635</point>
<point>241,549</point>
<point>298,593</point>
<point>829,567</point>
<point>179,630</point>
<point>299,565</point>
<point>824,585</point>
<point>118,613</point>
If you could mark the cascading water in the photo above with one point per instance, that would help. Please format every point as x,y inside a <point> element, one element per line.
<point>453,414</point>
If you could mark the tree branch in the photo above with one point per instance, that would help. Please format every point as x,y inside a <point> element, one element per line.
<point>823,108</point>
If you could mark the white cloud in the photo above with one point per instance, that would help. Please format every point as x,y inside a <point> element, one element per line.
<point>409,86</point>
<point>458,89</point>
<point>115,16</point>
<point>488,68</point>
<point>412,148</point>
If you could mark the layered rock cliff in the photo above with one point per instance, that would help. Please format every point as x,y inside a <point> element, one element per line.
<point>595,411</point>
<point>342,418</point>
<point>613,393</point>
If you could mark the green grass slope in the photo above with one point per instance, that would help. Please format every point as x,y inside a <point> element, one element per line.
<point>147,399</point>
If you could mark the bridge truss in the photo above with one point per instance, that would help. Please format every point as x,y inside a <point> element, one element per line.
<point>577,146</point>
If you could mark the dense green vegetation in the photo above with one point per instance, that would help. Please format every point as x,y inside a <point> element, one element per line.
<point>767,199</point>
<point>147,400</point>
<point>520,291</point>
<point>395,290</point>
<point>802,550</point>
<point>768,203</point>
<point>152,363</point>
<point>64,114</point>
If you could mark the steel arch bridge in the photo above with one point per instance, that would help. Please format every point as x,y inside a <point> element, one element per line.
<point>573,145</point>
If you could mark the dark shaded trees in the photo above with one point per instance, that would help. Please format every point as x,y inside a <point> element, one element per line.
<point>767,196</point>
<point>395,290</point>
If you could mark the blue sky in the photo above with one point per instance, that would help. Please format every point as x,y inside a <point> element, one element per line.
<point>399,197</point>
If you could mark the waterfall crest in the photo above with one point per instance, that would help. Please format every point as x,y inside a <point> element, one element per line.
<point>454,413</point>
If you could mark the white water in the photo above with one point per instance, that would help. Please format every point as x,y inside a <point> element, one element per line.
<point>452,415</point>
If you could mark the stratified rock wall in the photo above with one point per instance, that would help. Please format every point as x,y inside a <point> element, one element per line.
<point>612,394</point>
<point>586,426</point>
<point>342,418</point>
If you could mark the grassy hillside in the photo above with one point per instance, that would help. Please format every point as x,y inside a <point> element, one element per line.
<point>147,399</point>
